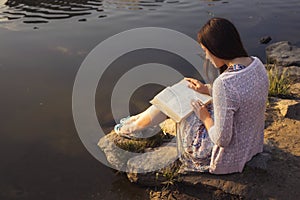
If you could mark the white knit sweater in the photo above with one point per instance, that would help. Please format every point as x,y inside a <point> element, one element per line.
<point>239,100</point>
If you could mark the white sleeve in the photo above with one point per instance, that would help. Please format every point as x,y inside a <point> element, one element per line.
<point>221,132</point>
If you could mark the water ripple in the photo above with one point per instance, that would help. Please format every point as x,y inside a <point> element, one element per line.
<point>41,11</point>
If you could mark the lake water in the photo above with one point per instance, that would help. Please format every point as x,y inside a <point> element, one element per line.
<point>43,44</point>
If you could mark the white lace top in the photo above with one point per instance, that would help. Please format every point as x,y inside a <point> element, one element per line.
<point>239,100</point>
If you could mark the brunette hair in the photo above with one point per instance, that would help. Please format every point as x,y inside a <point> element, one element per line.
<point>222,39</point>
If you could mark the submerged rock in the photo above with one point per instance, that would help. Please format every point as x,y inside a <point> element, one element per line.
<point>265,40</point>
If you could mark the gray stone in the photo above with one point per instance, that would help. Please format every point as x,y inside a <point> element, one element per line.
<point>291,72</point>
<point>295,89</point>
<point>114,155</point>
<point>153,168</point>
<point>118,150</point>
<point>283,53</point>
<point>154,160</point>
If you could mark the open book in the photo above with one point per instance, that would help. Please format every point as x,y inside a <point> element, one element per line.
<point>175,101</point>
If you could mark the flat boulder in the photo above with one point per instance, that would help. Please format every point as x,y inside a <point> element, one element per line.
<point>283,53</point>
<point>154,168</point>
<point>118,150</point>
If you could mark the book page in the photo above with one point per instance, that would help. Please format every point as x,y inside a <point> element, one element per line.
<point>185,93</point>
<point>175,101</point>
<point>167,102</point>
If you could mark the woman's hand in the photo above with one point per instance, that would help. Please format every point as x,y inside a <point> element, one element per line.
<point>197,86</point>
<point>202,113</point>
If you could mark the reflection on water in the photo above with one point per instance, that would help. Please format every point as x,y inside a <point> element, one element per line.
<point>41,11</point>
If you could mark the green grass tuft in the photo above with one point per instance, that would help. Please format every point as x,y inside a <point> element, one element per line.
<point>279,82</point>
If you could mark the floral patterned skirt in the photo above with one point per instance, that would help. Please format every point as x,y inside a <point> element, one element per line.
<point>194,144</point>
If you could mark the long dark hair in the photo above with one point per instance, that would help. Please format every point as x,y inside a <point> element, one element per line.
<point>222,39</point>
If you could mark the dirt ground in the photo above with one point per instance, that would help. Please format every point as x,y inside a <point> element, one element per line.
<point>282,135</point>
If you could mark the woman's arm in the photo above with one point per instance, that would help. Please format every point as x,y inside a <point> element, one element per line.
<point>222,130</point>
<point>203,114</point>
<point>209,88</point>
<point>198,86</point>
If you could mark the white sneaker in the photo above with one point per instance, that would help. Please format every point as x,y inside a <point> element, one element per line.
<point>125,127</point>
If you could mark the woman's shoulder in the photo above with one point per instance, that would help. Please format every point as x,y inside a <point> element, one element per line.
<point>254,65</point>
<point>230,75</point>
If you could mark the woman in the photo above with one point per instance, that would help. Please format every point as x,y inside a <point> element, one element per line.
<point>222,143</point>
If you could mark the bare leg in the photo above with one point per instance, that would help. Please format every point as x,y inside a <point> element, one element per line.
<point>150,117</point>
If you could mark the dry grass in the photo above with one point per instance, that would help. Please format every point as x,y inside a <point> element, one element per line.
<point>279,82</point>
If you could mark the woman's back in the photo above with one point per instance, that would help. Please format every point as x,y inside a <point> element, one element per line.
<point>239,104</point>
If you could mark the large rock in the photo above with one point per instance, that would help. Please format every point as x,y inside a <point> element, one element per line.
<point>118,150</point>
<point>295,89</point>
<point>245,185</point>
<point>114,155</point>
<point>153,160</point>
<point>154,168</point>
<point>291,72</point>
<point>287,107</point>
<point>283,53</point>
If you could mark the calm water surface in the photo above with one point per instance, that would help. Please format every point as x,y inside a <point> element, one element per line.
<point>43,43</point>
